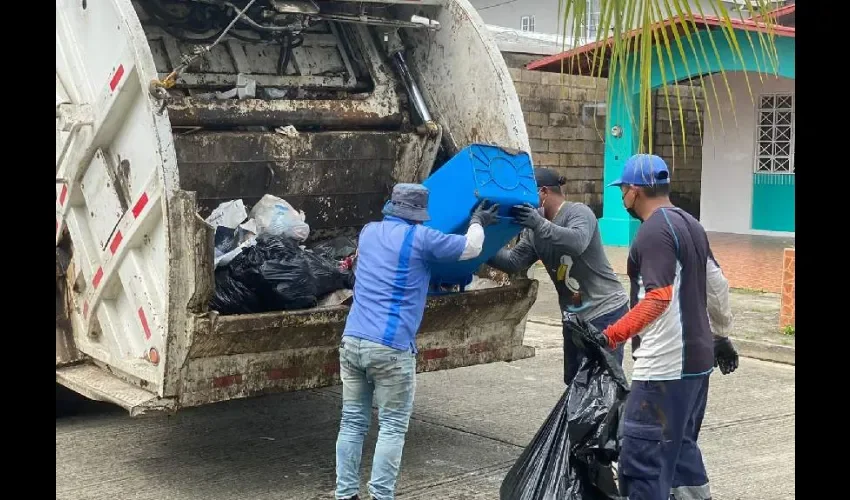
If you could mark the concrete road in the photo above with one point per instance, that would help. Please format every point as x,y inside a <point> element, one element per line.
<point>469,426</point>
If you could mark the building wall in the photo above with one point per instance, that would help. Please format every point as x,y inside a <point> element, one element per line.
<point>551,104</point>
<point>508,15</point>
<point>683,156</point>
<point>560,139</point>
<point>547,17</point>
<point>728,151</point>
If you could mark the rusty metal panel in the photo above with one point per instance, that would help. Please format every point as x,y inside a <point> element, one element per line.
<point>374,112</point>
<point>190,284</point>
<point>339,179</point>
<point>320,61</point>
<point>247,355</point>
<point>375,106</point>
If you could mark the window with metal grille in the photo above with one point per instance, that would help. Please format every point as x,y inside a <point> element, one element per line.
<point>592,25</point>
<point>527,23</point>
<point>775,134</point>
<point>589,24</point>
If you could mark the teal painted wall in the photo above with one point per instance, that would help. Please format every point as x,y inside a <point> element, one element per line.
<point>773,202</point>
<point>616,227</point>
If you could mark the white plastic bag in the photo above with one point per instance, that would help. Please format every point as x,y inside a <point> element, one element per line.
<point>276,217</point>
<point>224,259</point>
<point>480,284</point>
<point>228,214</point>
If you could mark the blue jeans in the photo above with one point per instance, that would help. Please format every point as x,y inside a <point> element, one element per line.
<point>371,371</point>
<point>660,457</point>
<point>573,356</point>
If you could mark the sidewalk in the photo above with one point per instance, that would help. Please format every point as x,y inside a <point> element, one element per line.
<point>749,261</point>
<point>757,333</point>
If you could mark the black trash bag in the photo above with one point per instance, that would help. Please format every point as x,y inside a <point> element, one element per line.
<point>226,239</point>
<point>336,248</point>
<point>275,270</point>
<point>329,276</point>
<point>570,456</point>
<point>287,284</point>
<point>245,267</point>
<point>232,296</point>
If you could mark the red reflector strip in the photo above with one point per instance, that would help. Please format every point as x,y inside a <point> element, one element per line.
<point>63,194</point>
<point>435,353</point>
<point>86,309</point>
<point>140,205</point>
<point>97,277</point>
<point>145,326</point>
<point>332,368</point>
<point>116,78</point>
<point>282,373</point>
<point>226,381</point>
<point>113,247</point>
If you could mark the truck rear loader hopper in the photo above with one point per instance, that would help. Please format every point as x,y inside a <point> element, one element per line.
<point>139,164</point>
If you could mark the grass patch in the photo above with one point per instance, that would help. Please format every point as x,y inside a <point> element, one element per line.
<point>788,330</point>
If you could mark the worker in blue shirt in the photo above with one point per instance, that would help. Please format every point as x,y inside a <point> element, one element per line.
<point>377,355</point>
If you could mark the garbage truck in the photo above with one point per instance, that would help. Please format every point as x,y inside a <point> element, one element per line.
<point>166,108</point>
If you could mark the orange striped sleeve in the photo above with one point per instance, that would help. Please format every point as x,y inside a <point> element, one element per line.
<point>645,312</point>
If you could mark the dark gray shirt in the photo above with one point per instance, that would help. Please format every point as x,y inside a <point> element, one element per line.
<point>570,247</point>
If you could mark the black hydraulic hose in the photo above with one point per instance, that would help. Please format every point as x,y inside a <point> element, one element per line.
<point>290,41</point>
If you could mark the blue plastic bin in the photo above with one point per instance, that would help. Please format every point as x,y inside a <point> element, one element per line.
<point>478,172</point>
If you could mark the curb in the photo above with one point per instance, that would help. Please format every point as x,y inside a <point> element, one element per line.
<point>764,351</point>
<point>746,348</point>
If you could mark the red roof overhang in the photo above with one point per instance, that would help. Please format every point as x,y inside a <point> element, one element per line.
<point>580,60</point>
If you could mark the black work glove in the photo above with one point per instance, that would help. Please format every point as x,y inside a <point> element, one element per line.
<point>583,333</point>
<point>725,355</point>
<point>527,216</point>
<point>485,216</point>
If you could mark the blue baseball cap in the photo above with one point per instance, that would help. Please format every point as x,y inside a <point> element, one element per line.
<point>643,170</point>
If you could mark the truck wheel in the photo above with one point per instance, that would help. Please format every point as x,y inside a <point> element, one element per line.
<point>68,402</point>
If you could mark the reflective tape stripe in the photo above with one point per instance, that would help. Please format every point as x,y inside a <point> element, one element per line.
<point>116,240</point>
<point>116,77</point>
<point>140,205</point>
<point>145,327</point>
<point>97,277</point>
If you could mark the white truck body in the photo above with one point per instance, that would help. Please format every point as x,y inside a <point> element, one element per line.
<point>137,164</point>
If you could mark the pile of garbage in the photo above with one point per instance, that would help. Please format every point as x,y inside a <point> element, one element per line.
<point>261,264</point>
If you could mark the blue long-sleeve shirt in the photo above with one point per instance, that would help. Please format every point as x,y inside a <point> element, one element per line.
<point>393,271</point>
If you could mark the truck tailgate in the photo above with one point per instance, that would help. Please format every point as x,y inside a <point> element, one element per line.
<point>244,355</point>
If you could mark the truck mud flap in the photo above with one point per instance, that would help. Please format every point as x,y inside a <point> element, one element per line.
<point>98,384</point>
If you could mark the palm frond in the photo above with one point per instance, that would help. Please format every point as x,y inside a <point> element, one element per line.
<point>645,48</point>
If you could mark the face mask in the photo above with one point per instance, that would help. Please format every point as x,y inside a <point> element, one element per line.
<point>631,210</point>
<point>634,215</point>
